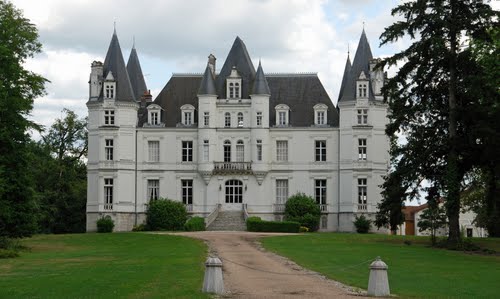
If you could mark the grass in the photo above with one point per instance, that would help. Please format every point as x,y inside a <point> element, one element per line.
<point>415,271</point>
<point>118,265</point>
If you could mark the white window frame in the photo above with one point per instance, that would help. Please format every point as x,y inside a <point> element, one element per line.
<point>108,193</point>
<point>259,119</point>
<point>282,115</point>
<point>187,115</point>
<point>259,150</point>
<point>187,192</point>
<point>320,150</point>
<point>240,119</point>
<point>108,149</point>
<point>363,89</point>
<point>240,151</point>
<point>226,151</point>
<point>362,191</point>
<point>362,149</point>
<point>320,191</point>
<point>187,151</point>
<point>320,114</point>
<point>362,116</point>
<point>109,117</point>
<point>206,118</point>
<point>154,115</point>
<point>282,150</point>
<point>227,120</point>
<point>154,151</point>
<point>281,191</point>
<point>206,150</point>
<point>153,189</point>
<point>109,90</point>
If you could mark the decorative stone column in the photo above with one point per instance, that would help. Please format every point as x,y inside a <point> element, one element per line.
<point>213,281</point>
<point>378,283</point>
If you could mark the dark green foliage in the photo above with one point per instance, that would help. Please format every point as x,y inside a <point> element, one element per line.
<point>434,217</point>
<point>255,224</point>
<point>362,224</point>
<point>139,228</point>
<point>18,88</point>
<point>105,225</point>
<point>7,253</point>
<point>303,209</point>
<point>166,214</point>
<point>432,102</point>
<point>303,229</point>
<point>195,224</point>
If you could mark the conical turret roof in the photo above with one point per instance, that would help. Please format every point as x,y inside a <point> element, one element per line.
<point>347,69</point>
<point>260,85</point>
<point>207,85</point>
<point>115,64</point>
<point>135,74</point>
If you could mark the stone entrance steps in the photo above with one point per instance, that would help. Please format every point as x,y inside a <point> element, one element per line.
<point>229,220</point>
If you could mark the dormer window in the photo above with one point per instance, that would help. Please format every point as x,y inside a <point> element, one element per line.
<point>110,91</point>
<point>109,87</point>
<point>154,115</point>
<point>234,84</point>
<point>187,114</point>
<point>320,114</point>
<point>362,85</point>
<point>282,115</point>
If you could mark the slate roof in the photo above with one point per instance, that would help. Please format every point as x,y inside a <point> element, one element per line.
<point>114,62</point>
<point>238,57</point>
<point>207,85</point>
<point>347,69</point>
<point>135,74</point>
<point>361,63</point>
<point>260,85</point>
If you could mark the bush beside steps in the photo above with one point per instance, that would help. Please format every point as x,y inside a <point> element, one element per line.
<point>255,224</point>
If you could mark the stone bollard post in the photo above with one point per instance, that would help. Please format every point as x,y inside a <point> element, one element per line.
<point>378,283</point>
<point>213,282</point>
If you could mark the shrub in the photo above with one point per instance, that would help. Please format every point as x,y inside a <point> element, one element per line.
<point>303,209</point>
<point>195,224</point>
<point>139,228</point>
<point>166,214</point>
<point>303,229</point>
<point>362,224</point>
<point>255,224</point>
<point>105,225</point>
<point>7,254</point>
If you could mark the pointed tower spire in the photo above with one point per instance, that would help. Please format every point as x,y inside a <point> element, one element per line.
<point>115,64</point>
<point>135,73</point>
<point>361,63</point>
<point>207,85</point>
<point>347,69</point>
<point>260,85</point>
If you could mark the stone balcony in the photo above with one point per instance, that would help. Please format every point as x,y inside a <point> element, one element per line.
<point>229,168</point>
<point>280,208</point>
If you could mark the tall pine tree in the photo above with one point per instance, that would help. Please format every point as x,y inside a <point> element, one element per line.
<point>427,98</point>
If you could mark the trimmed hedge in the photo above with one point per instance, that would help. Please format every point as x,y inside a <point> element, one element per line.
<point>255,224</point>
<point>166,214</point>
<point>195,224</point>
<point>105,225</point>
<point>303,209</point>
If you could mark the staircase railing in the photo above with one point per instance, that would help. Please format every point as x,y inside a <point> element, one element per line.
<point>211,217</point>
<point>245,212</point>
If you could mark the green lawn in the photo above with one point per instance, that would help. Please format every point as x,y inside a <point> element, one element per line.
<point>118,265</point>
<point>414,270</point>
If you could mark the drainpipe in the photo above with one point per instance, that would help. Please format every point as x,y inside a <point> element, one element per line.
<point>135,176</point>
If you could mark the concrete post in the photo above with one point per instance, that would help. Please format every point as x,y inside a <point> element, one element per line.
<point>213,282</point>
<point>378,283</point>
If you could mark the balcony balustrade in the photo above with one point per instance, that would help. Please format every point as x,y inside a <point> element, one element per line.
<point>232,168</point>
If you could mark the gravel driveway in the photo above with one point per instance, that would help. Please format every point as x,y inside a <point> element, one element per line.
<point>251,272</point>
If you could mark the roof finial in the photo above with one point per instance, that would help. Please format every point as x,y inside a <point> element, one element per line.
<point>363,26</point>
<point>133,42</point>
<point>348,50</point>
<point>114,26</point>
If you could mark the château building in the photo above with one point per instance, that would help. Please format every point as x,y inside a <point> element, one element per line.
<point>235,139</point>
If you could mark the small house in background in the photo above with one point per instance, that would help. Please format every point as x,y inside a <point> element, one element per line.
<point>412,216</point>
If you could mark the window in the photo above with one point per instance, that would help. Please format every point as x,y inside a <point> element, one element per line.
<point>259,119</point>
<point>227,151</point>
<point>108,194</point>
<point>362,116</point>
<point>320,192</point>
<point>281,191</point>
<point>206,149</point>
<point>282,150</point>
<point>231,90</point>
<point>153,190</point>
<point>362,149</point>
<point>110,91</point>
<point>227,119</point>
<point>234,191</point>
<point>155,119</point>
<point>362,90</point>
<point>320,115</point>
<point>240,151</point>
<point>206,119</point>
<point>187,151</point>
<point>259,150</point>
<point>320,150</point>
<point>187,192</point>
<point>109,117</point>
<point>237,90</point>
<point>188,118</point>
<point>282,118</point>
<point>282,114</point>
<point>108,149</point>
<point>240,119</point>
<point>362,199</point>
<point>154,151</point>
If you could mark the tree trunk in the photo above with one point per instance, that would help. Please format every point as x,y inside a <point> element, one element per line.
<point>453,176</point>
<point>493,201</point>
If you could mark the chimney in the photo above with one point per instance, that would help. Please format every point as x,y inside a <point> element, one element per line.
<point>146,98</point>
<point>211,63</point>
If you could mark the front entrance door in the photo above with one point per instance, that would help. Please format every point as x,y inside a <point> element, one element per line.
<point>233,197</point>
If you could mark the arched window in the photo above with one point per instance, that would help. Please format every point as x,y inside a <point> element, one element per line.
<point>237,90</point>
<point>227,119</point>
<point>240,151</point>
<point>227,151</point>
<point>240,119</point>
<point>234,191</point>
<point>231,90</point>
<point>364,89</point>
